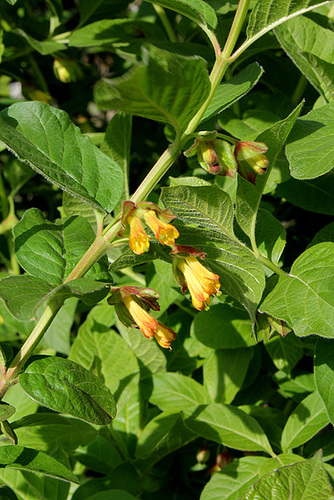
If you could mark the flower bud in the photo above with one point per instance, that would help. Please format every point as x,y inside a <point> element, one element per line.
<point>67,70</point>
<point>279,326</point>
<point>251,159</point>
<point>214,155</point>
<point>203,455</point>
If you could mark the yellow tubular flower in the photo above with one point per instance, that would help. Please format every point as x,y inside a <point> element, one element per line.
<point>138,239</point>
<point>165,233</point>
<point>147,324</point>
<point>201,282</point>
<point>164,336</point>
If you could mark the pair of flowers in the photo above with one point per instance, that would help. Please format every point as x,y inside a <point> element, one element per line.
<point>219,157</point>
<point>133,303</point>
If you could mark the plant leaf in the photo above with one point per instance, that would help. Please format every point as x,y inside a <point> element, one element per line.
<point>304,480</point>
<point>26,459</point>
<point>96,343</point>
<point>315,195</point>
<point>49,431</point>
<point>324,374</point>
<point>229,92</point>
<point>310,45</point>
<point>305,297</point>
<point>234,479</point>
<point>173,391</point>
<point>46,139</point>
<point>223,327</point>
<point>197,10</point>
<point>268,14</point>
<point>50,250</point>
<point>23,306</point>
<point>162,435</point>
<point>228,425</point>
<point>224,373</point>
<point>67,387</point>
<point>165,87</point>
<point>311,143</point>
<point>306,420</point>
<point>6,411</point>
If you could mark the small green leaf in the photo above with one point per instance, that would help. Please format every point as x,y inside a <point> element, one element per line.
<point>305,297</point>
<point>6,411</point>
<point>311,143</point>
<point>232,90</point>
<point>46,139</point>
<point>66,387</point>
<point>304,480</point>
<point>197,10</point>
<point>165,87</point>
<point>324,374</point>
<point>228,425</point>
<point>50,250</point>
<point>26,459</point>
<point>234,479</point>
<point>306,420</point>
<point>173,391</point>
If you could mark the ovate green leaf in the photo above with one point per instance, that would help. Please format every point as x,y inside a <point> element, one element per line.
<point>310,46</point>
<point>232,90</point>
<point>50,250</point>
<point>306,420</point>
<point>311,143</point>
<point>165,87</point>
<point>66,387</point>
<point>23,306</point>
<point>46,139</point>
<point>228,425</point>
<point>173,391</point>
<point>234,479</point>
<point>305,297</point>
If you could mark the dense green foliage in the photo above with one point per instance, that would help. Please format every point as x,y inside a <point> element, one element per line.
<point>219,114</point>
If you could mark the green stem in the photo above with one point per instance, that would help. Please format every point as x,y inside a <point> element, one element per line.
<point>165,22</point>
<point>29,346</point>
<point>270,265</point>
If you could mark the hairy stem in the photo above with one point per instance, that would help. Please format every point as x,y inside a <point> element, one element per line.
<point>28,347</point>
